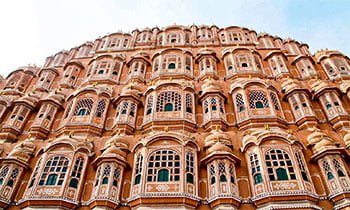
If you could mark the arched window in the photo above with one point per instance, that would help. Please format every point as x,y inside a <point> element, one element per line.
<point>221,106</point>
<point>189,103</point>
<point>274,101</point>
<point>327,169</point>
<point>76,172</point>
<point>328,106</point>
<point>132,109</point>
<point>97,178</point>
<point>52,179</point>
<point>13,177</point>
<point>232,173</point>
<point>330,70</point>
<point>240,103</point>
<point>168,107</point>
<point>206,105</point>
<point>73,183</point>
<point>165,161</point>
<point>34,174</point>
<point>168,101</point>
<point>222,172</point>
<point>83,107</point>
<point>116,177</point>
<point>279,165</point>
<point>124,108</point>
<point>257,99</point>
<point>55,171</point>
<point>163,175</point>
<point>302,167</point>
<point>149,105</point>
<point>105,174</point>
<point>244,65</point>
<point>138,169</point>
<point>68,109</point>
<point>281,174</point>
<point>255,168</point>
<point>212,174</point>
<point>3,173</point>
<point>190,167</point>
<point>102,67</point>
<point>340,64</point>
<point>338,168</point>
<point>214,104</point>
<point>171,66</point>
<point>100,108</point>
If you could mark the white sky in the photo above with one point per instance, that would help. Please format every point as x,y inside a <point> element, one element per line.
<point>31,30</point>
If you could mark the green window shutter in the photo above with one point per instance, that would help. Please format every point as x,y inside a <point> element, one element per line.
<point>259,105</point>
<point>163,175</point>
<point>281,174</point>
<point>51,179</point>
<point>168,107</point>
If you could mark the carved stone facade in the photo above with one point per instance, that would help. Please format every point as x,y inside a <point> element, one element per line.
<point>196,117</point>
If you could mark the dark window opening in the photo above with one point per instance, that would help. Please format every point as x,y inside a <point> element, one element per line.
<point>73,183</point>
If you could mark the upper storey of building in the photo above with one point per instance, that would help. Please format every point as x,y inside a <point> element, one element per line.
<point>155,77</point>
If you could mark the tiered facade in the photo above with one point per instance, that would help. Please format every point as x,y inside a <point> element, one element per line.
<point>196,117</point>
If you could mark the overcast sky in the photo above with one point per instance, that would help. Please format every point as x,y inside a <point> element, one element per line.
<point>31,30</point>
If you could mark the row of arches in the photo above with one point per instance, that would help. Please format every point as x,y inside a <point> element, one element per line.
<point>178,62</point>
<point>171,160</point>
<point>253,100</point>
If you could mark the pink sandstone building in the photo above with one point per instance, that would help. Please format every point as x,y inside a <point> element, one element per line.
<point>179,117</point>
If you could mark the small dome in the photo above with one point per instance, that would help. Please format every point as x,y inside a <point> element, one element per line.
<point>113,150</point>
<point>30,98</point>
<point>318,85</point>
<point>131,90</point>
<point>344,86</point>
<point>57,96</point>
<point>319,140</point>
<point>217,136</point>
<point>346,138</point>
<point>289,85</point>
<point>5,100</point>
<point>219,147</point>
<point>210,85</point>
<point>23,150</point>
<point>115,146</point>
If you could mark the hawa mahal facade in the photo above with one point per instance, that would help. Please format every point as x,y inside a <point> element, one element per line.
<point>196,117</point>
